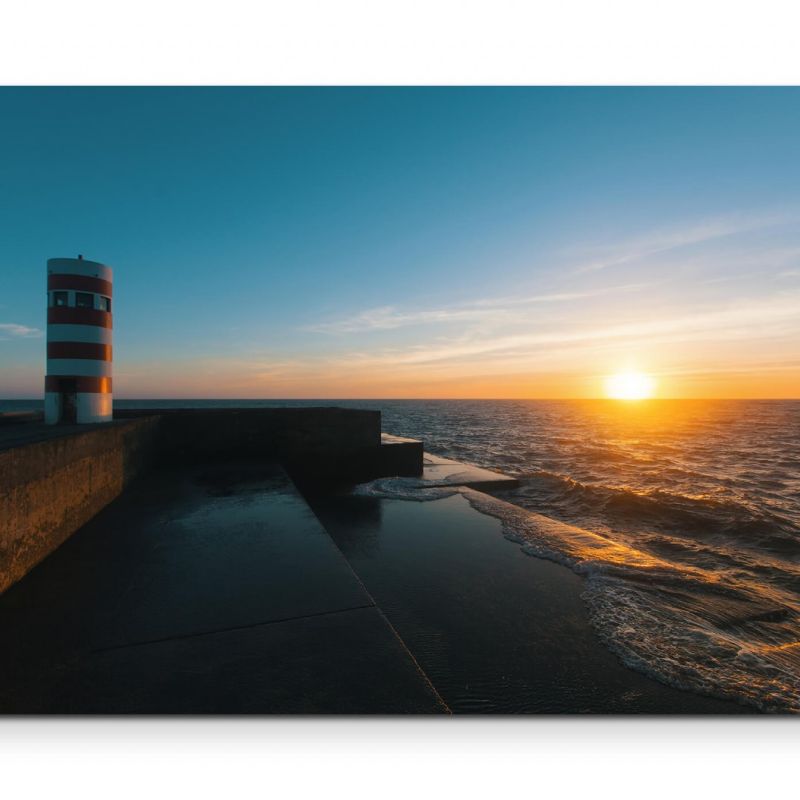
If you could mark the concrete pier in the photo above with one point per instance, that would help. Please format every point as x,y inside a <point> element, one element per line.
<point>212,589</point>
<point>55,478</point>
<point>174,567</point>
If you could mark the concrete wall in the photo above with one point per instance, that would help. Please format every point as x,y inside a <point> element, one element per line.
<point>399,456</point>
<point>50,488</point>
<point>312,443</point>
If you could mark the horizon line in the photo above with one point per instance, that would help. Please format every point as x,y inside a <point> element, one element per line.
<point>417,399</point>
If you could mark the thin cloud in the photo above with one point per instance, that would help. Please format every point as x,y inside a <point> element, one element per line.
<point>769,318</point>
<point>390,318</point>
<point>490,310</point>
<point>15,331</point>
<point>663,241</point>
<point>577,347</point>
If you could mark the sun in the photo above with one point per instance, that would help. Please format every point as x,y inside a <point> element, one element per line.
<point>630,386</point>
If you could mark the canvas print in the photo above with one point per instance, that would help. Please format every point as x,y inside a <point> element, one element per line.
<point>400,400</point>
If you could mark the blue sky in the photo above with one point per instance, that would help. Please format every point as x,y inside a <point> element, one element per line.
<point>411,242</point>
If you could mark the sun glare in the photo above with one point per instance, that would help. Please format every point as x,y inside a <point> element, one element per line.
<point>630,386</point>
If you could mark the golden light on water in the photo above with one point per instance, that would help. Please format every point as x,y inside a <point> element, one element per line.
<point>630,386</point>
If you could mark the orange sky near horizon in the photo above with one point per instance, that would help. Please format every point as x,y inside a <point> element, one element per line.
<point>195,383</point>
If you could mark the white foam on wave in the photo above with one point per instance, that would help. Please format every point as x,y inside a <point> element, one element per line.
<point>688,627</point>
<point>685,626</point>
<point>403,489</point>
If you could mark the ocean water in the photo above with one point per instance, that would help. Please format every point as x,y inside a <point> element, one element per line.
<point>683,516</point>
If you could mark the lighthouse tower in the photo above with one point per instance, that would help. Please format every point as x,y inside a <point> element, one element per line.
<point>77,387</point>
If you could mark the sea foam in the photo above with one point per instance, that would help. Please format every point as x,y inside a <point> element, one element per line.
<point>685,626</point>
<point>691,628</point>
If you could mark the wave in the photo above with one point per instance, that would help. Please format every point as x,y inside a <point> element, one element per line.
<point>697,516</point>
<point>688,627</point>
<point>693,627</point>
<point>403,489</point>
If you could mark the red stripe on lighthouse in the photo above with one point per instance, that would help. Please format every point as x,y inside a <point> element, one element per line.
<point>61,315</point>
<point>81,283</point>
<point>98,352</point>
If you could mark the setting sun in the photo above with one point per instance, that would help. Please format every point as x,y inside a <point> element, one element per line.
<point>630,386</point>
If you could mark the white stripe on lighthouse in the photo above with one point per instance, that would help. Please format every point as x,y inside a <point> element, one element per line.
<point>79,333</point>
<point>84,267</point>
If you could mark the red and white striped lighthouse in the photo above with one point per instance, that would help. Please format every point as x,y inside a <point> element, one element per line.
<point>77,387</point>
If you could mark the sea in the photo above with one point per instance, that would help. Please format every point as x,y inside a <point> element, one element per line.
<point>683,516</point>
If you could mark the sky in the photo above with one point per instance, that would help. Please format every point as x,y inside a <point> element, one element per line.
<point>411,242</point>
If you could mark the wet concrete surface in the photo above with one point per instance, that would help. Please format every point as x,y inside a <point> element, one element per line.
<point>440,471</point>
<point>212,589</point>
<point>496,630</point>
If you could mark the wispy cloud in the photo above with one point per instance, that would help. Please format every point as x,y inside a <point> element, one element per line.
<point>662,241</point>
<point>490,310</point>
<point>500,310</point>
<point>390,317</point>
<point>745,336</point>
<point>770,317</point>
<point>9,330</point>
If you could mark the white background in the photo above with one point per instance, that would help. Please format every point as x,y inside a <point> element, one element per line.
<point>410,42</point>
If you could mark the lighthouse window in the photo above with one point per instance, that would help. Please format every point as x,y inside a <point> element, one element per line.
<point>105,303</point>
<point>84,300</point>
<point>59,298</point>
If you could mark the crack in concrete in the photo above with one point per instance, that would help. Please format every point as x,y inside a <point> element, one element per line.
<point>196,634</point>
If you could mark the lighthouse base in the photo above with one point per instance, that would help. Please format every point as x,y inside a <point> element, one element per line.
<point>71,407</point>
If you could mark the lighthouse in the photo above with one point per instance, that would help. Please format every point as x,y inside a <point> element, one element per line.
<point>77,387</point>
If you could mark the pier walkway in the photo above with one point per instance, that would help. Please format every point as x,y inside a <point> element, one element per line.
<point>213,589</point>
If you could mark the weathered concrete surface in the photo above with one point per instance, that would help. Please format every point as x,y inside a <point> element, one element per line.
<point>211,588</point>
<point>438,471</point>
<point>49,488</point>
